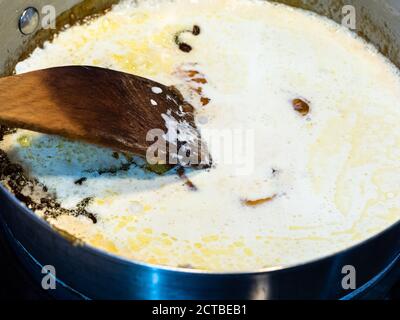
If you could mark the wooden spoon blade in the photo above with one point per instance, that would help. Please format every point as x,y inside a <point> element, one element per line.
<point>105,107</point>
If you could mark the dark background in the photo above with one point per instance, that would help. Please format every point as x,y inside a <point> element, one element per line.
<point>15,283</point>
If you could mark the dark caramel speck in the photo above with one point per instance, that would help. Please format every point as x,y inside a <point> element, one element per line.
<point>196,30</point>
<point>301,107</point>
<point>80,181</point>
<point>257,202</point>
<point>185,47</point>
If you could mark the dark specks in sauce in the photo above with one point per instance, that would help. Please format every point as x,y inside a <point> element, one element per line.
<point>81,209</point>
<point>184,177</point>
<point>183,46</point>
<point>5,130</point>
<point>275,172</point>
<point>115,155</point>
<point>196,30</point>
<point>257,202</point>
<point>301,106</point>
<point>195,80</point>
<point>14,178</point>
<point>80,181</point>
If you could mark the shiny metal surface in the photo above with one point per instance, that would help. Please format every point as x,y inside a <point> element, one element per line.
<point>29,21</point>
<point>13,42</point>
<point>84,272</point>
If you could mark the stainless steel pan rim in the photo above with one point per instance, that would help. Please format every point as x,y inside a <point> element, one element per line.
<point>119,259</point>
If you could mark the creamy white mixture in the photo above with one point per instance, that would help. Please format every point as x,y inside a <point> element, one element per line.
<point>331,178</point>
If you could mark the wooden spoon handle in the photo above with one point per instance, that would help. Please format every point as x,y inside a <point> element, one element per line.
<point>27,102</point>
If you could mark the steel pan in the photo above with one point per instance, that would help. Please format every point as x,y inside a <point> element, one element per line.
<point>83,272</point>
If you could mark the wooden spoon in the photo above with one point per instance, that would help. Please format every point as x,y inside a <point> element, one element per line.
<point>100,106</point>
